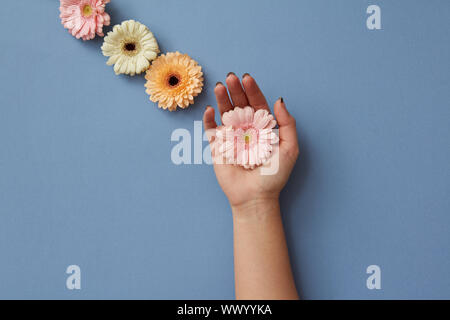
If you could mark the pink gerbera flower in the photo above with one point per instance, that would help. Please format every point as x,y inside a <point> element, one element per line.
<point>84,18</point>
<point>246,137</point>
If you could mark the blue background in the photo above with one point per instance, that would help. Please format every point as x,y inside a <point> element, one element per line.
<point>86,176</point>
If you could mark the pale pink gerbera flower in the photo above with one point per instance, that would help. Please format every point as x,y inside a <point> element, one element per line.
<point>246,137</point>
<point>84,18</point>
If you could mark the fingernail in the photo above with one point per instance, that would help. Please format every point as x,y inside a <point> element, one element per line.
<point>217,83</point>
<point>281,100</point>
<point>245,74</point>
<point>230,73</point>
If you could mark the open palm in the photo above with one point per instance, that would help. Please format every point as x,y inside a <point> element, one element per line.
<point>240,185</point>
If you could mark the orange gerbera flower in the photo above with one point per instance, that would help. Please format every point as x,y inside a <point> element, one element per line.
<point>174,79</point>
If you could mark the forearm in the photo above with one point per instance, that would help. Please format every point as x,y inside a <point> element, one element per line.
<point>261,260</point>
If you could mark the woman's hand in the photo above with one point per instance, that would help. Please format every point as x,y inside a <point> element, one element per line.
<point>261,260</point>
<point>245,187</point>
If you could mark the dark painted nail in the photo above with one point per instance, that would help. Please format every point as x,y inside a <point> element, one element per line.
<point>281,100</point>
<point>219,83</point>
<point>230,73</point>
<point>245,74</point>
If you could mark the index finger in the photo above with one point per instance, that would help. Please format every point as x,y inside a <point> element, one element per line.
<point>223,100</point>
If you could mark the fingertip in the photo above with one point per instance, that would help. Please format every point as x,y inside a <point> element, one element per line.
<point>247,79</point>
<point>208,112</point>
<point>255,96</point>
<point>219,87</point>
<point>278,104</point>
<point>208,118</point>
<point>221,94</point>
<point>231,78</point>
<point>231,74</point>
<point>223,100</point>
<point>237,93</point>
<point>281,113</point>
<point>232,82</point>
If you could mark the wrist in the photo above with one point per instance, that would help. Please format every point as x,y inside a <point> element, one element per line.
<point>256,209</point>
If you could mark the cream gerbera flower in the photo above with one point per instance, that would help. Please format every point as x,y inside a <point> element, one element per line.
<point>174,79</point>
<point>130,46</point>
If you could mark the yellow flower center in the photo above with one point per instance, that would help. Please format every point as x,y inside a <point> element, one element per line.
<point>247,138</point>
<point>87,10</point>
